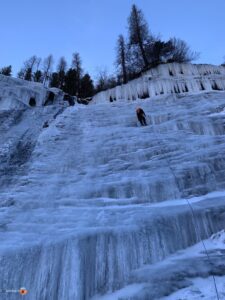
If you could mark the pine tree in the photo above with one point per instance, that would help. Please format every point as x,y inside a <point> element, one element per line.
<point>7,71</point>
<point>138,32</point>
<point>55,80</point>
<point>70,86</point>
<point>28,74</point>
<point>87,86</point>
<point>77,66</point>
<point>38,76</point>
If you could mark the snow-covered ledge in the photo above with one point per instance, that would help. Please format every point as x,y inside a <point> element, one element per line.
<point>173,78</point>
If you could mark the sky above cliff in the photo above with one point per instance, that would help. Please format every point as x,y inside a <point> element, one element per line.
<point>91,27</point>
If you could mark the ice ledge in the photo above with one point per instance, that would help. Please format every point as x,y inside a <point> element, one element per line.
<point>173,78</point>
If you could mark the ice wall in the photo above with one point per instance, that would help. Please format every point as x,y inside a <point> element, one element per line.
<point>173,78</point>
<point>87,201</point>
<point>101,260</point>
<point>18,94</point>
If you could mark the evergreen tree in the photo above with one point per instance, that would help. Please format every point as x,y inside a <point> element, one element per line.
<point>87,86</point>
<point>138,32</point>
<point>7,71</point>
<point>134,62</point>
<point>77,66</point>
<point>38,76</point>
<point>28,74</point>
<point>55,80</point>
<point>159,52</point>
<point>70,86</point>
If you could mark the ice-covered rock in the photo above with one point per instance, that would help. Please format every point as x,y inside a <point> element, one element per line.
<point>17,94</point>
<point>173,78</point>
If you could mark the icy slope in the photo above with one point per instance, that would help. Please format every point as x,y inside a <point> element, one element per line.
<point>93,199</point>
<point>165,79</point>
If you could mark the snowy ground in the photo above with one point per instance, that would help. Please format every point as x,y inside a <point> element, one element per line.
<point>96,206</point>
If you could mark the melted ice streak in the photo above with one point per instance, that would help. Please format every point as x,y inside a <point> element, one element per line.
<point>93,198</point>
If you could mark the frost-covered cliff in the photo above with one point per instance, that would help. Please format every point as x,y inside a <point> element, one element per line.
<point>96,207</point>
<point>166,79</point>
<point>18,94</point>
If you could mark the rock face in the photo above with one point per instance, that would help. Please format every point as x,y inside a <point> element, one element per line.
<point>94,203</point>
<point>166,79</point>
<point>19,94</point>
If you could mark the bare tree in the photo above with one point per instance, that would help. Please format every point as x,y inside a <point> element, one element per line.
<point>47,69</point>
<point>104,81</point>
<point>37,76</point>
<point>77,63</point>
<point>38,62</point>
<point>30,63</point>
<point>26,72</point>
<point>61,69</point>
<point>181,52</point>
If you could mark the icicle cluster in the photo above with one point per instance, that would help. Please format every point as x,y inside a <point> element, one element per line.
<point>171,78</point>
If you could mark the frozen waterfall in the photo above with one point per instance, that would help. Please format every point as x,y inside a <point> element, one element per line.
<point>95,204</point>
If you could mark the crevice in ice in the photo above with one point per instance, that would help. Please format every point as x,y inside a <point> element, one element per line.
<point>32,102</point>
<point>215,86</point>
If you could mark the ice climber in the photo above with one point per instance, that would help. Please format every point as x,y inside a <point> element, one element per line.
<point>141,116</point>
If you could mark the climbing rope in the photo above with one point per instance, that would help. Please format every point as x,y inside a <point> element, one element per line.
<point>191,209</point>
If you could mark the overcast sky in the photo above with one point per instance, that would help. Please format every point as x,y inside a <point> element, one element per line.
<point>91,27</point>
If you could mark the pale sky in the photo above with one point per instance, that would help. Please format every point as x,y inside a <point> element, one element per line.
<point>91,27</point>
